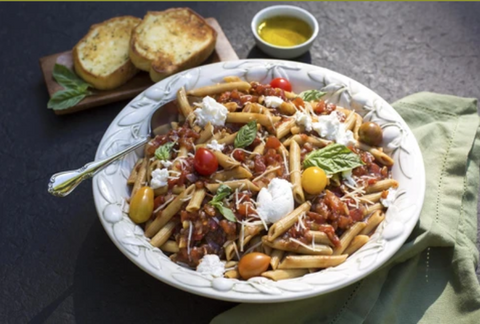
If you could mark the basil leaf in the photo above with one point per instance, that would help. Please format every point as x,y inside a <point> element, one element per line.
<point>312,95</point>
<point>163,152</point>
<point>333,159</point>
<point>217,201</point>
<point>67,78</point>
<point>225,211</point>
<point>67,98</point>
<point>246,135</point>
<point>83,87</point>
<point>222,192</point>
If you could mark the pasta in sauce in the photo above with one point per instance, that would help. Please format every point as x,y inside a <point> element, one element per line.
<point>256,169</point>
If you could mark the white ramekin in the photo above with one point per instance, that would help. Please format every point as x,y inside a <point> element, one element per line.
<point>291,11</point>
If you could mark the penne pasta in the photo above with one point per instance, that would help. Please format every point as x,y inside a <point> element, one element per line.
<point>295,130</point>
<point>164,234</point>
<point>284,128</point>
<point>141,177</point>
<point>372,208</point>
<point>276,256</point>
<point>284,274</point>
<point>347,237</point>
<point>267,250</point>
<point>231,106</point>
<point>244,118</point>
<point>240,184</point>
<point>357,242</point>
<point>183,103</point>
<point>350,121</point>
<point>133,175</point>
<point>174,125</point>
<point>345,111</point>
<point>231,264</point>
<point>287,108</point>
<point>232,78</point>
<point>235,173</point>
<point>205,134</point>
<point>163,216</point>
<point>230,250</point>
<point>295,173</point>
<point>382,185</point>
<point>147,174</point>
<point>319,237</point>
<point>254,243</point>
<point>290,95</point>
<point>373,221</point>
<point>182,152</point>
<point>160,191</point>
<point>250,236</point>
<point>196,202</point>
<point>232,274</point>
<point>356,127</point>
<point>225,161</point>
<point>379,155</point>
<point>283,150</point>
<point>311,261</point>
<point>256,108</point>
<point>176,190</point>
<point>285,245</point>
<point>259,149</point>
<point>227,139</point>
<point>253,229</point>
<point>301,139</point>
<point>169,246</point>
<point>281,226</point>
<point>371,198</point>
<point>219,88</point>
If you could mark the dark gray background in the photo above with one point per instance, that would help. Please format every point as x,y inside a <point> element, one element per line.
<point>57,264</point>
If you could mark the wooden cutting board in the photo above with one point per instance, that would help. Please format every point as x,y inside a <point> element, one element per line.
<point>223,52</point>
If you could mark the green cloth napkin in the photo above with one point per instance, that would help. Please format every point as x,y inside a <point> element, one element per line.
<point>431,279</point>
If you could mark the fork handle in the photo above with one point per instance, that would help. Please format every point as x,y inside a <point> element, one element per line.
<point>63,183</point>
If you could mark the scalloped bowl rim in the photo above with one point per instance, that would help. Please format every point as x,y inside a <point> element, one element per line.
<point>265,295</point>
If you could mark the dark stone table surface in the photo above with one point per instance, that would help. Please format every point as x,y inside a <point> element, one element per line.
<point>57,264</point>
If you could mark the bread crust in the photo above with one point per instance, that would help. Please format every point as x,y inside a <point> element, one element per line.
<point>196,38</point>
<point>117,77</point>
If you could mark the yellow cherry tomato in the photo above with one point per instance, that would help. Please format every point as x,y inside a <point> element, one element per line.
<point>141,205</point>
<point>314,180</point>
<point>253,265</point>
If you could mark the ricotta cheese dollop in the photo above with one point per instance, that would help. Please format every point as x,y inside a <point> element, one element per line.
<point>273,102</point>
<point>304,119</point>
<point>214,145</point>
<point>210,111</point>
<point>330,127</point>
<point>159,178</point>
<point>210,265</point>
<point>387,202</point>
<point>275,201</point>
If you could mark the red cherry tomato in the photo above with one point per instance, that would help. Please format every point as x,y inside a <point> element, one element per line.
<point>205,162</point>
<point>281,83</point>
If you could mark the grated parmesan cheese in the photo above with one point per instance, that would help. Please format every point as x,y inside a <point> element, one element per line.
<point>190,231</point>
<point>164,204</point>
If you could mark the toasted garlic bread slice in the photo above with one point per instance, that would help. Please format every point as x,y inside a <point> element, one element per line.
<point>101,57</point>
<point>170,41</point>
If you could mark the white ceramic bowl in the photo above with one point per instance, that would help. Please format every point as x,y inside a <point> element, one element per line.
<point>109,186</point>
<point>282,10</point>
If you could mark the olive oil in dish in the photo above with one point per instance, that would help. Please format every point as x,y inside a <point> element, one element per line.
<point>284,31</point>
